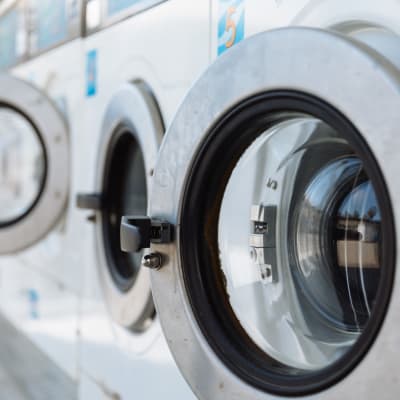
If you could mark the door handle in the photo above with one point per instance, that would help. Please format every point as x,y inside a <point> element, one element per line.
<point>89,201</point>
<point>138,233</point>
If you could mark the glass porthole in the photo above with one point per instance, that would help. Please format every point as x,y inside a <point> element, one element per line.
<point>34,165</point>
<point>125,193</point>
<point>130,136</point>
<point>288,255</point>
<point>280,277</point>
<point>22,166</point>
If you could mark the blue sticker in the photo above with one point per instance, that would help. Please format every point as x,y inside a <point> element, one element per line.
<point>91,73</point>
<point>33,299</point>
<point>230,24</point>
<point>115,6</point>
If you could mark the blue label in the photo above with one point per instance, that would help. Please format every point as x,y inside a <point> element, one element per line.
<point>91,73</point>
<point>33,299</point>
<point>230,24</point>
<point>52,23</point>
<point>8,39</point>
<point>115,6</point>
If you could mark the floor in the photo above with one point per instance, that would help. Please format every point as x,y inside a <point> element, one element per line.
<point>28,374</point>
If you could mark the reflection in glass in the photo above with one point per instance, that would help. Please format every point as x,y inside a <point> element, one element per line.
<point>299,241</point>
<point>22,165</point>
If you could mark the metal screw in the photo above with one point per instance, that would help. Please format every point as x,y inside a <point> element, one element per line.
<point>152,261</point>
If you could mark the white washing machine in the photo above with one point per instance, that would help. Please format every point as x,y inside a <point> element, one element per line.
<point>137,72</point>
<point>278,177</point>
<point>41,101</point>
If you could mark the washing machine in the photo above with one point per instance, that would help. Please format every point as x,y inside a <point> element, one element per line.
<point>41,101</point>
<point>271,236</point>
<point>137,72</point>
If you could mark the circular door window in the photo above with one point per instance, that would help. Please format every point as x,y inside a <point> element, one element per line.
<point>283,267</point>
<point>296,287</point>
<point>22,166</point>
<point>125,193</point>
<point>131,133</point>
<point>33,165</point>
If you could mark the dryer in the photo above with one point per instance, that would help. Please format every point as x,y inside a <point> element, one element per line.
<point>137,72</point>
<point>277,176</point>
<point>40,268</point>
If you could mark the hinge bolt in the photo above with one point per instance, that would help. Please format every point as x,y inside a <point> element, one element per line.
<point>152,261</point>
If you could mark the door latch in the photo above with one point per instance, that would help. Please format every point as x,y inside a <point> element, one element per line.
<point>89,201</point>
<point>138,233</point>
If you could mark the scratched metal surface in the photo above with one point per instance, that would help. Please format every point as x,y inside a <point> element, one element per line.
<point>28,374</point>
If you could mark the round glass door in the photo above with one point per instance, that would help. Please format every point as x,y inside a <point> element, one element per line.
<point>131,132</point>
<point>34,165</point>
<point>22,166</point>
<point>291,240</point>
<point>300,227</point>
<point>280,193</point>
<point>125,193</point>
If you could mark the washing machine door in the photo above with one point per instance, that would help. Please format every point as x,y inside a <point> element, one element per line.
<point>131,134</point>
<point>34,165</point>
<point>276,179</point>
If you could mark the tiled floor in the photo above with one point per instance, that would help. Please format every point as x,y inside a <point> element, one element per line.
<point>26,373</point>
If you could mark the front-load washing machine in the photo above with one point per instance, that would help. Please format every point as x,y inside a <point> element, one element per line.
<point>137,73</point>
<point>40,269</point>
<point>278,179</point>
